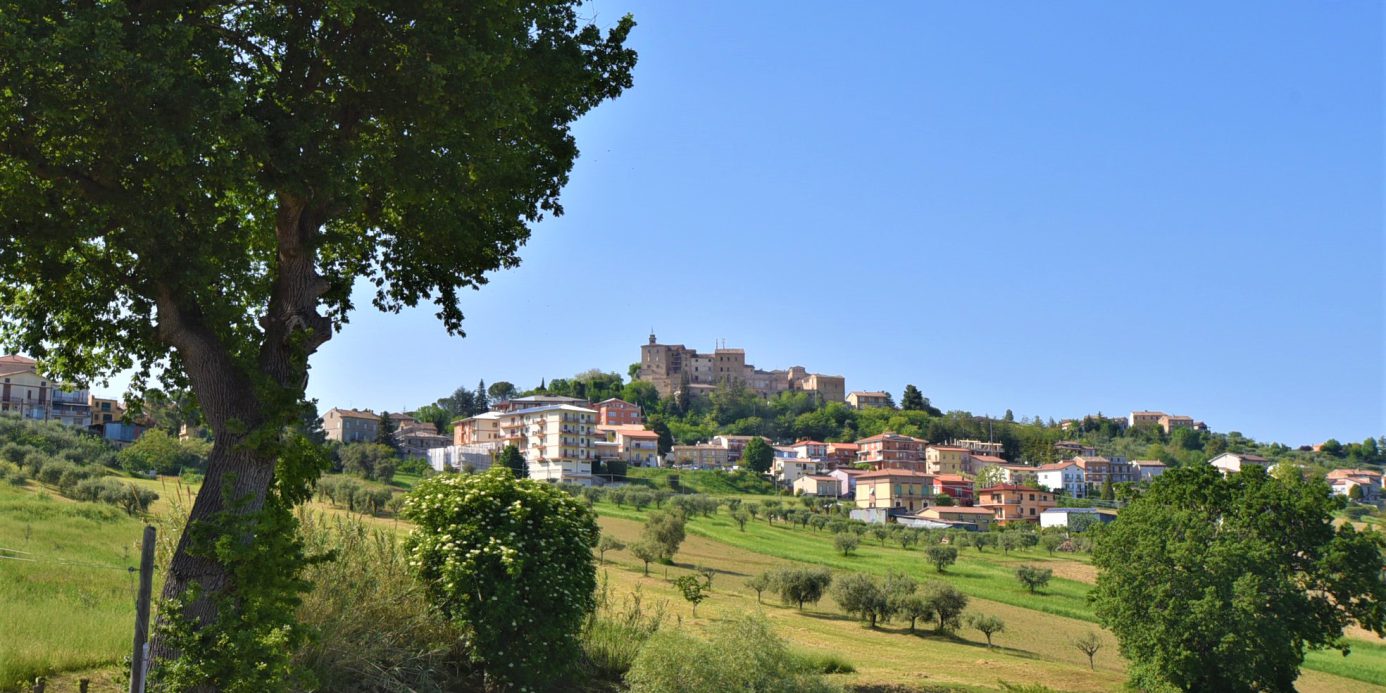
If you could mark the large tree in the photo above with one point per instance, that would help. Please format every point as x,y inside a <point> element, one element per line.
<point>193,190</point>
<point>1213,583</point>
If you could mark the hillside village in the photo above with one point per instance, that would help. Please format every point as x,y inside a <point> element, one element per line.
<point>889,477</point>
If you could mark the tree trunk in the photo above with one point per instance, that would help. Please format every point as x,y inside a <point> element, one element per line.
<point>240,398</point>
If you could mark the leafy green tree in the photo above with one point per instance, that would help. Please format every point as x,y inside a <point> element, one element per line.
<point>943,500</point>
<point>511,458</point>
<point>942,556</point>
<point>1051,542</point>
<point>743,654</point>
<point>608,543</point>
<point>762,581</point>
<point>664,529</point>
<point>500,391</point>
<point>1213,583</point>
<point>758,456</point>
<point>666,438</point>
<point>694,590</point>
<point>946,604</point>
<point>647,551</point>
<point>802,585</point>
<point>512,560</point>
<point>385,431</point>
<point>987,625</point>
<point>163,453</point>
<point>912,399</point>
<point>362,459</point>
<point>741,517</point>
<point>440,418</point>
<point>914,607</point>
<point>863,596</point>
<point>846,542</point>
<point>1033,577</point>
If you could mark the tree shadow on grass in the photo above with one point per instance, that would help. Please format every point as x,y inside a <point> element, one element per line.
<point>927,633</point>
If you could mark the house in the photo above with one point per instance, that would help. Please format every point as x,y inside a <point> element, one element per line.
<point>816,485</point>
<point>104,411</point>
<point>957,486</point>
<point>976,462</point>
<point>810,450</point>
<point>1233,462</point>
<point>556,441</point>
<point>868,400</point>
<point>892,451</point>
<point>1144,418</point>
<point>980,447</point>
<point>482,429</point>
<point>1063,517</point>
<point>846,480</point>
<point>734,445</point>
<point>981,517</point>
<point>460,458</point>
<point>31,395</point>
<point>1072,447</point>
<point>894,488</point>
<point>701,456</point>
<point>1170,423</point>
<point>946,459</point>
<point>1013,504</point>
<point>351,425</point>
<point>1066,477</point>
<point>1148,469</point>
<point>842,454</point>
<point>618,412</point>
<point>1367,481</point>
<point>637,446</point>
<point>416,439</point>
<point>1098,470</point>
<point>787,470</point>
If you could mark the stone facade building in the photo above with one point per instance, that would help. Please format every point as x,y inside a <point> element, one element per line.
<point>671,367</point>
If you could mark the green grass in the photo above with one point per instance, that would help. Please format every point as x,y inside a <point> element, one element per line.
<point>989,575</point>
<point>72,605</point>
<point>709,481</point>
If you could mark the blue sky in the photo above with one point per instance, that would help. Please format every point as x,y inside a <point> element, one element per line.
<point>1057,208</point>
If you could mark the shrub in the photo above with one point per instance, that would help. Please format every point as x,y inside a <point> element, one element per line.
<point>510,561</point>
<point>743,655</point>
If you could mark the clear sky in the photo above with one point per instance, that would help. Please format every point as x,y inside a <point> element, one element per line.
<point>1057,208</point>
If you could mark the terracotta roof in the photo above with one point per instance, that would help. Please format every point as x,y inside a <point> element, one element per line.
<point>888,435</point>
<point>951,477</point>
<point>354,413</point>
<point>844,446</point>
<point>960,509</point>
<point>638,434</point>
<point>1053,466</point>
<point>949,448</point>
<point>988,459</point>
<point>809,442</point>
<point>820,477</point>
<point>1010,487</point>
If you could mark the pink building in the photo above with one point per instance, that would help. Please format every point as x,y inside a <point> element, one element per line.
<point>892,451</point>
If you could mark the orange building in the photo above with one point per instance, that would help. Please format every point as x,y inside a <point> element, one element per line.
<point>892,451</point>
<point>1015,503</point>
<point>618,412</point>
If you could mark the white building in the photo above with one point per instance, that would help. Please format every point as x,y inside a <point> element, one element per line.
<point>32,395</point>
<point>460,458</point>
<point>1063,476</point>
<point>1149,469</point>
<point>787,470</point>
<point>557,441</point>
<point>1063,517</point>
<point>1232,462</point>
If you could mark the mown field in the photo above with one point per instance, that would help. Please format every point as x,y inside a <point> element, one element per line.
<point>60,616</point>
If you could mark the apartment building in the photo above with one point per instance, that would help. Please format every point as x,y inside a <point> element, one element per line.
<point>27,393</point>
<point>704,456</point>
<point>637,446</point>
<point>891,450</point>
<point>1012,504</point>
<point>1144,418</point>
<point>868,400</point>
<point>842,454</point>
<point>946,459</point>
<point>351,425</point>
<point>787,470</point>
<point>670,367</point>
<point>816,485</point>
<point>1065,476</point>
<point>957,486</point>
<point>980,447</point>
<point>556,441</point>
<point>1148,469</point>
<point>618,412</point>
<point>460,458</point>
<point>533,401</point>
<point>894,488</point>
<point>482,429</point>
<point>416,439</point>
<point>810,449</point>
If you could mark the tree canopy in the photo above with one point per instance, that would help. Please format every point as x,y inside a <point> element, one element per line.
<point>194,191</point>
<point>1213,583</point>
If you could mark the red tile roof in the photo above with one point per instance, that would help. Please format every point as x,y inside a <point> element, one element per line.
<point>888,473</point>
<point>960,509</point>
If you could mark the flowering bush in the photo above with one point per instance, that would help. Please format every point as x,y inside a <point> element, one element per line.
<point>510,560</point>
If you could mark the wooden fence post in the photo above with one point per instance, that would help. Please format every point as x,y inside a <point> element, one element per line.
<point>137,664</point>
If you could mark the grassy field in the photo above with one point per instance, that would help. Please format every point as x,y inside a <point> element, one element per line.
<point>66,593</point>
<point>67,617</point>
<point>707,481</point>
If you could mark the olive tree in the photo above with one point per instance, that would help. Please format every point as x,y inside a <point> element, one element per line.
<point>192,191</point>
<point>511,560</point>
